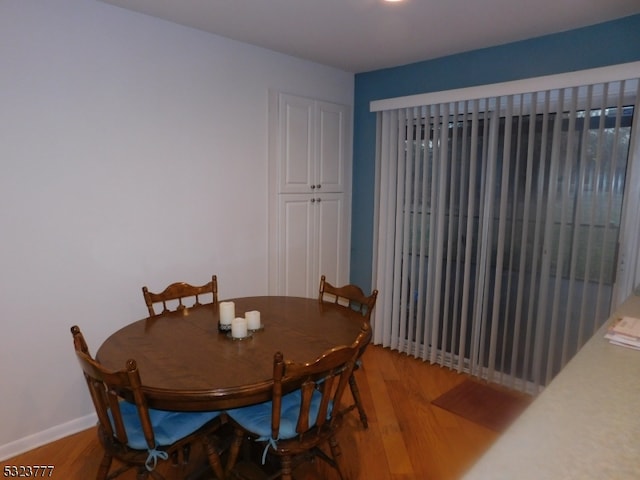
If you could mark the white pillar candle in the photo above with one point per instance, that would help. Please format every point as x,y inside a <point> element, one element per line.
<point>253,319</point>
<point>239,327</point>
<point>227,312</point>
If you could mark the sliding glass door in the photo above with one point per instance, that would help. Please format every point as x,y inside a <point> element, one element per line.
<point>504,215</point>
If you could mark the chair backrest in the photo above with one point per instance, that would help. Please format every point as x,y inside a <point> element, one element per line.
<point>104,386</point>
<point>350,296</point>
<point>178,292</point>
<point>321,385</point>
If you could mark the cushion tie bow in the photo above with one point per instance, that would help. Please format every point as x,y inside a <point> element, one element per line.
<point>152,459</point>
<point>273,443</point>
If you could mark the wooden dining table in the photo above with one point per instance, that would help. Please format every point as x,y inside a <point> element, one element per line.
<point>187,364</point>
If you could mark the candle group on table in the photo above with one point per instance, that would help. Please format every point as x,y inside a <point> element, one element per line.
<point>240,326</point>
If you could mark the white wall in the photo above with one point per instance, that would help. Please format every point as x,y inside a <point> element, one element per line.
<point>132,151</point>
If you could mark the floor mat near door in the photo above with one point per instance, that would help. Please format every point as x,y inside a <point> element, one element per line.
<point>489,406</point>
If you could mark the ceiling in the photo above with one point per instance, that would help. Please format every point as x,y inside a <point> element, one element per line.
<point>365,35</point>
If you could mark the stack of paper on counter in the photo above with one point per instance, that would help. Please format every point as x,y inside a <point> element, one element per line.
<point>625,332</point>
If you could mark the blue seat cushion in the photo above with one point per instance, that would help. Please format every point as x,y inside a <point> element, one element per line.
<point>168,427</point>
<point>257,418</point>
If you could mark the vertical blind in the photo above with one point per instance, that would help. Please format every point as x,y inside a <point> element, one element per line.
<point>497,226</point>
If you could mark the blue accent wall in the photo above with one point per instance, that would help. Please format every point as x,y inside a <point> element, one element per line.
<point>599,45</point>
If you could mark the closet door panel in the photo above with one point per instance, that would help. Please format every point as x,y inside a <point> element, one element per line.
<point>296,144</point>
<point>332,149</point>
<point>297,245</point>
<point>332,238</point>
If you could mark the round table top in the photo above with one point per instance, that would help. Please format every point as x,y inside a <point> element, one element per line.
<point>187,364</point>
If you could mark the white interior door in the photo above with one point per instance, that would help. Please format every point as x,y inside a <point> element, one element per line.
<point>297,245</point>
<point>332,148</point>
<point>296,144</point>
<point>332,237</point>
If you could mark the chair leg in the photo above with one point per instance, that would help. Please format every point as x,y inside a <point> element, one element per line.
<point>355,392</point>
<point>142,474</point>
<point>286,472</point>
<point>213,457</point>
<point>234,449</point>
<point>186,453</point>
<point>105,465</point>
<point>336,452</point>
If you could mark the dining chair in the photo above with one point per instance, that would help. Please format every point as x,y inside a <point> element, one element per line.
<point>138,436</point>
<point>304,412</point>
<point>176,293</point>
<point>351,296</point>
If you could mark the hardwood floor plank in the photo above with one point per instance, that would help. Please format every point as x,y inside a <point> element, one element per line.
<point>381,375</point>
<point>357,443</point>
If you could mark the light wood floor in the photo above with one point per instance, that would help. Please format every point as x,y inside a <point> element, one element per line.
<point>408,438</point>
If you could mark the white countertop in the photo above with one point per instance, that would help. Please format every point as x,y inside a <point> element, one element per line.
<point>584,425</point>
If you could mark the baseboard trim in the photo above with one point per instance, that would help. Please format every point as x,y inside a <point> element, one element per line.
<point>49,435</point>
